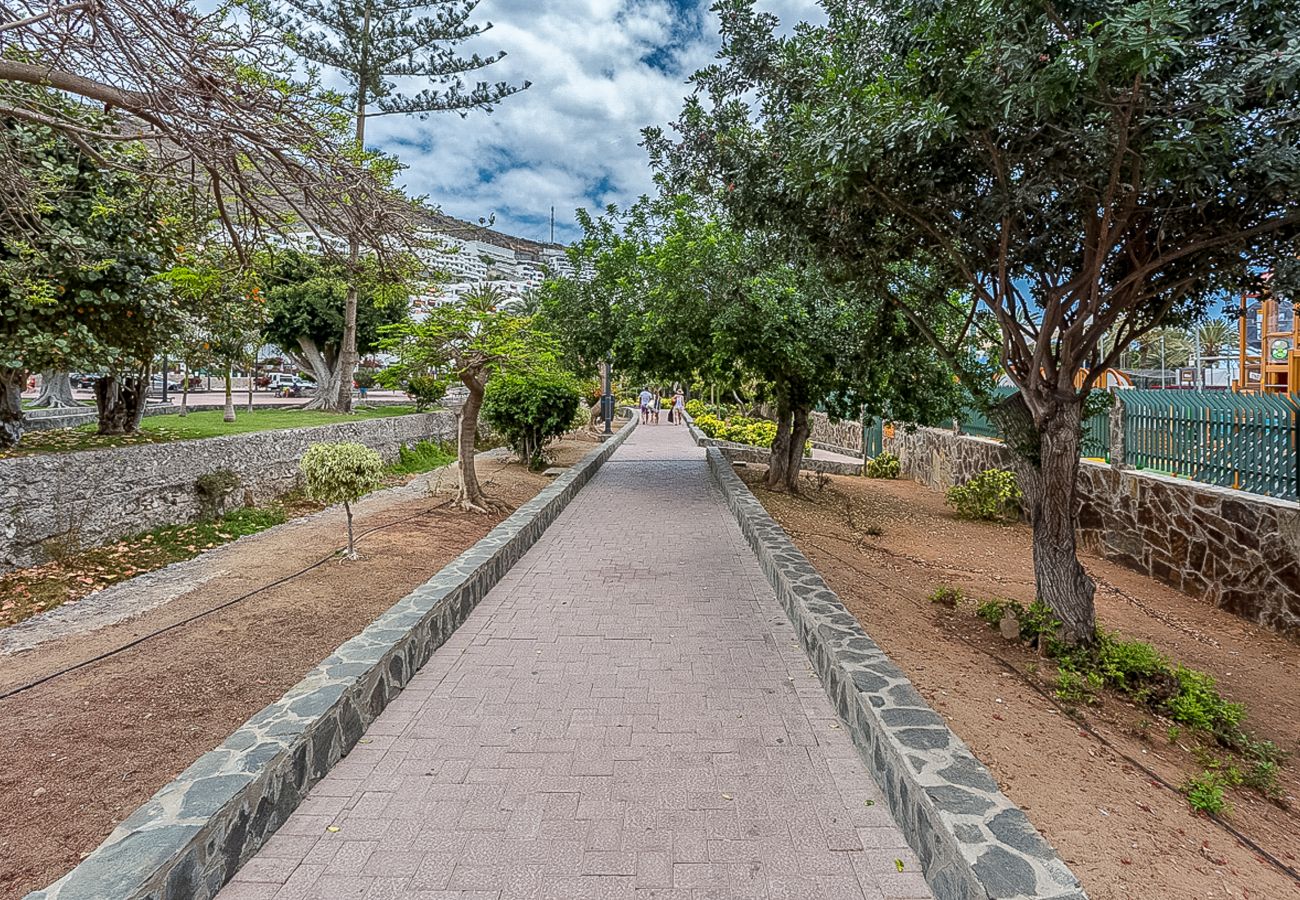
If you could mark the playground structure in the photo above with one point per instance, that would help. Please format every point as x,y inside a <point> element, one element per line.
<point>1269,345</point>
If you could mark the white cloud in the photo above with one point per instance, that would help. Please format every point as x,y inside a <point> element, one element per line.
<point>601,70</point>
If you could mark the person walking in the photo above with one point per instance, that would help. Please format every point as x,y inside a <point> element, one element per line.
<point>679,407</point>
<point>646,397</point>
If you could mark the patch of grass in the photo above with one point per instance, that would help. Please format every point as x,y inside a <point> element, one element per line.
<point>1074,687</point>
<point>424,456</point>
<point>947,595</point>
<point>1205,793</point>
<point>204,424</point>
<point>26,592</point>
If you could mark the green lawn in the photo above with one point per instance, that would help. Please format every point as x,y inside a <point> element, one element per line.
<point>205,424</point>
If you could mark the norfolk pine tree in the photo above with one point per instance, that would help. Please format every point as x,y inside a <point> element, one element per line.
<point>371,43</point>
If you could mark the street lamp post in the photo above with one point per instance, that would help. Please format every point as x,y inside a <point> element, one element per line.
<point>607,400</point>
<point>164,384</point>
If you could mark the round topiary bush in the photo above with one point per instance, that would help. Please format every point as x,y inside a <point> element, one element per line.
<point>885,465</point>
<point>341,473</point>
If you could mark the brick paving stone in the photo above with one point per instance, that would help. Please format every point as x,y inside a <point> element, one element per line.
<point>626,714</point>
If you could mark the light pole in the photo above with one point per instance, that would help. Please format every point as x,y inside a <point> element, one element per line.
<point>607,399</point>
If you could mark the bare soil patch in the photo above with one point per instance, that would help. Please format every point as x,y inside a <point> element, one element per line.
<point>80,752</point>
<point>886,546</point>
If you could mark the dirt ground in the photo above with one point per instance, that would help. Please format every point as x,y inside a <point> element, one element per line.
<point>885,546</point>
<point>79,753</point>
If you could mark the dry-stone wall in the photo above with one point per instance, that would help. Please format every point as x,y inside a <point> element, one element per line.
<point>58,502</point>
<point>1236,550</point>
<point>840,437</point>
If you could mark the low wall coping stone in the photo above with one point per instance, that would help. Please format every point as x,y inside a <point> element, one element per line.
<point>972,841</point>
<point>192,836</point>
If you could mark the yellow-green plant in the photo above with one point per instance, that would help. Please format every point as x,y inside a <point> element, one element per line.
<point>341,473</point>
<point>886,465</point>
<point>990,495</point>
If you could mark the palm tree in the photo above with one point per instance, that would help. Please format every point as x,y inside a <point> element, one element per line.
<point>1215,336</point>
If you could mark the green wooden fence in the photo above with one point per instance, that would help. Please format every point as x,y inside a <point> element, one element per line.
<point>1244,441</point>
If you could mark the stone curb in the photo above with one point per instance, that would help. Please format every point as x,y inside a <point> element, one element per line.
<point>748,453</point>
<point>972,841</point>
<point>192,836</point>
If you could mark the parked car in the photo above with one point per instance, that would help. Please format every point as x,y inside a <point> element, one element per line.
<point>85,381</point>
<point>156,384</point>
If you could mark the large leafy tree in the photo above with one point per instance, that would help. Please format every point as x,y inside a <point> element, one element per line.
<point>1076,170</point>
<point>82,289</point>
<point>467,344</point>
<point>677,292</point>
<point>306,296</point>
<point>373,44</point>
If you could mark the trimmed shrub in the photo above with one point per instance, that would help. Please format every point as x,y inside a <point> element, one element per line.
<point>425,390</point>
<point>886,465</point>
<point>531,410</point>
<point>341,473</point>
<point>991,495</point>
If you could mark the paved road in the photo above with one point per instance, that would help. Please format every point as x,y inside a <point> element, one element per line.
<point>626,715</point>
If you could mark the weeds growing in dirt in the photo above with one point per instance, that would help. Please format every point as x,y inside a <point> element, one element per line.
<point>947,595</point>
<point>424,456</point>
<point>1205,793</point>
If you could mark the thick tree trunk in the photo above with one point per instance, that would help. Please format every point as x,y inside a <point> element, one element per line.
<point>185,391</point>
<point>121,400</point>
<point>779,460</point>
<point>323,370</point>
<point>229,414</point>
<point>11,407</point>
<point>471,494</point>
<point>799,431</point>
<point>56,391</point>
<point>1050,492</point>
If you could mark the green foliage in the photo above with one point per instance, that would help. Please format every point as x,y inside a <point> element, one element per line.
<point>738,429</point>
<point>212,488</point>
<point>341,472</point>
<point>991,495</point>
<point>1076,687</point>
<point>423,456</point>
<point>531,409</point>
<point>425,390</point>
<point>1205,793</point>
<point>695,408</point>
<point>991,611</point>
<point>885,465</point>
<point>946,595</point>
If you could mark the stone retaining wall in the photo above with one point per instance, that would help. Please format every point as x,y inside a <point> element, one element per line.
<point>1236,550</point>
<point>60,502</point>
<point>838,437</point>
<point>195,833</point>
<point>972,841</point>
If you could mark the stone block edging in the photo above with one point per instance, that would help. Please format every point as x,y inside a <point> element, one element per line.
<point>192,836</point>
<point>972,841</point>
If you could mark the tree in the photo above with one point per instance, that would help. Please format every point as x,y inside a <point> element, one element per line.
<point>56,390</point>
<point>225,305</point>
<point>341,473</point>
<point>530,410</point>
<point>467,343</point>
<point>371,43</point>
<point>81,290</point>
<point>684,294</point>
<point>306,298</point>
<point>1079,170</point>
<point>1215,336</point>
<point>216,98</point>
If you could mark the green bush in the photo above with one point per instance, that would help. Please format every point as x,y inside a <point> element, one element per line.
<point>694,408</point>
<point>946,595</point>
<point>886,465</point>
<point>992,494</point>
<point>341,473</point>
<point>424,456</point>
<point>364,378</point>
<point>530,410</point>
<point>425,390</point>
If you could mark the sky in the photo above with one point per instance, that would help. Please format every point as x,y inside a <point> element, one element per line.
<point>601,70</point>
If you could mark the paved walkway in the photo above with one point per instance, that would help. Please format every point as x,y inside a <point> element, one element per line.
<point>626,715</point>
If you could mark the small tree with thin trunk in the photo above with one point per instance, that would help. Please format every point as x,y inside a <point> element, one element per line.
<point>466,344</point>
<point>372,43</point>
<point>341,473</point>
